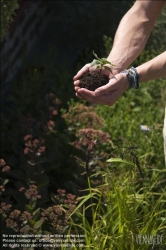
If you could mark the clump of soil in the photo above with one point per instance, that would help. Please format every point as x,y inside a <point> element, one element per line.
<point>93,80</point>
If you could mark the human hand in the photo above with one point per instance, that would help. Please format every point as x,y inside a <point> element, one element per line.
<point>107,94</point>
<point>89,68</point>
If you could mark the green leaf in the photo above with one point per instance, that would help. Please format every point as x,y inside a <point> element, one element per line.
<point>29,208</point>
<point>33,203</point>
<point>36,212</point>
<point>32,222</point>
<point>24,228</point>
<point>112,64</point>
<point>38,224</point>
<point>107,62</point>
<point>96,55</point>
<point>87,197</point>
<point>5,182</point>
<point>107,68</point>
<point>104,60</point>
<point>136,109</point>
<point>120,160</point>
<point>95,62</point>
<point>65,229</point>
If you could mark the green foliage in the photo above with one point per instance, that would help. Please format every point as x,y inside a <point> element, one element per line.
<point>158,36</point>
<point>35,146</point>
<point>108,43</point>
<point>7,11</point>
<point>100,63</point>
<point>92,151</point>
<point>123,120</point>
<point>135,108</point>
<point>126,206</point>
<point>122,210</point>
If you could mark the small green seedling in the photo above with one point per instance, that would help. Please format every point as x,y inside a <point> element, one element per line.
<point>100,63</point>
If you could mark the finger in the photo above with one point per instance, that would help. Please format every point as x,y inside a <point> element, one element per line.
<point>81,72</point>
<point>106,88</point>
<point>108,99</point>
<point>78,95</point>
<point>77,83</point>
<point>89,96</point>
<point>76,88</point>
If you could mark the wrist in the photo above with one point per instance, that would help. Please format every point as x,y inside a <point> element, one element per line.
<point>132,77</point>
<point>125,82</point>
<point>115,69</point>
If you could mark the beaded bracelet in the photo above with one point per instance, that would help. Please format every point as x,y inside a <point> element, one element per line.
<point>133,77</point>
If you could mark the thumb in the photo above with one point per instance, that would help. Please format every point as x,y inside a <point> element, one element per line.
<point>81,72</point>
<point>106,88</point>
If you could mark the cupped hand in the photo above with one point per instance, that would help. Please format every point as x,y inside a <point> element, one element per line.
<point>88,68</point>
<point>107,94</point>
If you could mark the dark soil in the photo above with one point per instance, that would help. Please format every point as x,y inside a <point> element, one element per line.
<point>93,80</point>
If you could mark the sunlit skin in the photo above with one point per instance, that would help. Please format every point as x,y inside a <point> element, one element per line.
<point>130,39</point>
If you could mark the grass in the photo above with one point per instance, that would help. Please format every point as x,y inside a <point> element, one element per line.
<point>125,208</point>
<point>122,209</point>
<point>128,211</point>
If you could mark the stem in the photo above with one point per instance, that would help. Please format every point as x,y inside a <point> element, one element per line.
<point>100,75</point>
<point>87,161</point>
<point>100,72</point>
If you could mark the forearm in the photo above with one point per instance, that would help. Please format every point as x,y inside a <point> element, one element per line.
<point>133,33</point>
<point>156,68</point>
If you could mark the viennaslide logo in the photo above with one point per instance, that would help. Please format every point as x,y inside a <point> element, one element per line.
<point>153,240</point>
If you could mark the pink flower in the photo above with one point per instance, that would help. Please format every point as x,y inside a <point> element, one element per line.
<point>2,162</point>
<point>54,112</point>
<point>6,169</point>
<point>50,124</point>
<point>27,137</point>
<point>89,137</point>
<point>26,151</point>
